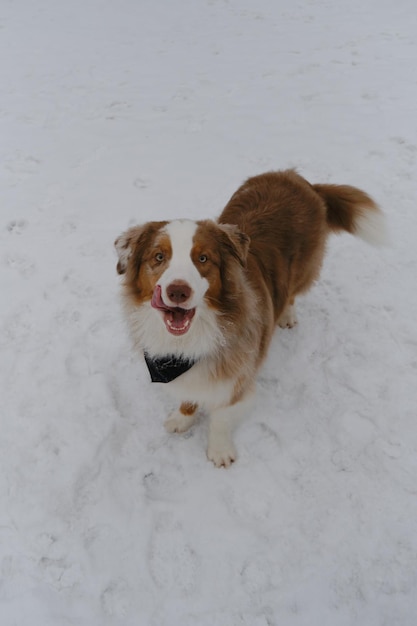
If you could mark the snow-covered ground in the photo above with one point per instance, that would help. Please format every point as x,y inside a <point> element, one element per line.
<point>112,113</point>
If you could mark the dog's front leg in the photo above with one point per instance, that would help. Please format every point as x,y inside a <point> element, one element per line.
<point>221,449</point>
<point>182,419</point>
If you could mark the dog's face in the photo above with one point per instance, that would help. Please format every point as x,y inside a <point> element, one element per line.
<point>178,270</point>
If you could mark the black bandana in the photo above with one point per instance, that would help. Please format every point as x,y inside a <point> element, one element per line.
<point>165,369</point>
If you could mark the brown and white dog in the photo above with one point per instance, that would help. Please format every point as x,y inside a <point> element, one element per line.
<point>203,298</point>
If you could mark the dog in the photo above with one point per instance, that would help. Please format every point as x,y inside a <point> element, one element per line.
<point>203,298</point>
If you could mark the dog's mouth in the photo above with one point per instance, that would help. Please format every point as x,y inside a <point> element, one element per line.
<point>177,320</point>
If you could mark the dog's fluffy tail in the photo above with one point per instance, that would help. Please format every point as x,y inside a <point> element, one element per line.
<point>352,210</point>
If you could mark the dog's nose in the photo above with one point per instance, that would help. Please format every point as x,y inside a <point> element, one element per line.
<point>178,292</point>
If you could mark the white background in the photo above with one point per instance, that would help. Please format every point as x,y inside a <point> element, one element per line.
<point>112,113</point>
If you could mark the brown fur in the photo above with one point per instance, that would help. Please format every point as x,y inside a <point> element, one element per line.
<point>266,248</point>
<point>344,205</point>
<point>286,222</point>
<point>187,408</point>
<point>141,268</point>
<point>242,323</point>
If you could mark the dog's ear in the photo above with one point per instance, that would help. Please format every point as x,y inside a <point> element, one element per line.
<point>125,245</point>
<point>236,242</point>
<point>132,243</point>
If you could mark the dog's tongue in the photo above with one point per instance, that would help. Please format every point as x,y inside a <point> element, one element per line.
<point>157,301</point>
<point>177,320</point>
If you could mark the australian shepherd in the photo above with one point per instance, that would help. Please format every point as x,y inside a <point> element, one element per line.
<point>202,298</point>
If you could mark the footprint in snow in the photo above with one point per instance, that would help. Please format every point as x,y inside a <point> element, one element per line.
<point>25,266</point>
<point>115,599</point>
<point>142,182</point>
<point>16,227</point>
<point>172,562</point>
<point>251,505</point>
<point>163,486</point>
<point>18,164</point>
<point>256,575</point>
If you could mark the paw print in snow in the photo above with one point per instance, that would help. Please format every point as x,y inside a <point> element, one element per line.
<point>116,598</point>
<point>173,564</point>
<point>16,227</point>
<point>23,265</point>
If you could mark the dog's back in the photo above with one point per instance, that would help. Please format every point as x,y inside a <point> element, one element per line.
<point>288,220</point>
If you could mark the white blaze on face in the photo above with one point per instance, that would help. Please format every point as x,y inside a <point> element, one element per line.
<point>181,267</point>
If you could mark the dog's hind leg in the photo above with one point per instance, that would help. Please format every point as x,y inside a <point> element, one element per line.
<point>288,317</point>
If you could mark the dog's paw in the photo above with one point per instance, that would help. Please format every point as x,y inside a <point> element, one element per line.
<point>288,318</point>
<point>222,454</point>
<point>178,422</point>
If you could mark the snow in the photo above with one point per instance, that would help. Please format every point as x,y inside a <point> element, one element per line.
<point>115,113</point>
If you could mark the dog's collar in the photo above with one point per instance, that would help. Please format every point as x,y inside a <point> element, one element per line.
<point>167,368</point>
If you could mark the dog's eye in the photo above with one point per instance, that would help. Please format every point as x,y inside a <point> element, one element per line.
<point>159,257</point>
<point>202,258</point>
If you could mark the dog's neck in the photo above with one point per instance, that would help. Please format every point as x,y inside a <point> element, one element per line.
<point>167,368</point>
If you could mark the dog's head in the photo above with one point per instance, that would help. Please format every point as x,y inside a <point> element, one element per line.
<point>180,269</point>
